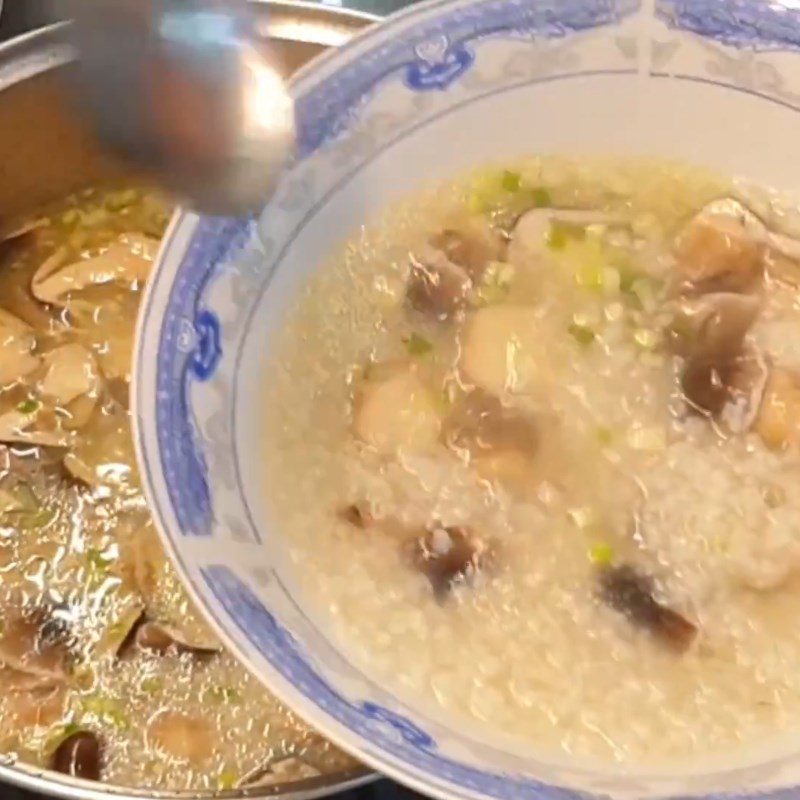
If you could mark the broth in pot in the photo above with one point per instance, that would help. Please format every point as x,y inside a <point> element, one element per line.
<point>106,671</point>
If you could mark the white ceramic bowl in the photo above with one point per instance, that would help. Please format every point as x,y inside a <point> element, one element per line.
<point>436,90</point>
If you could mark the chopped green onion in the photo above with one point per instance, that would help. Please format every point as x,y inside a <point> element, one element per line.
<point>20,508</point>
<point>491,295</point>
<point>119,629</point>
<point>556,237</point>
<point>70,216</point>
<point>20,499</point>
<point>645,290</point>
<point>29,406</point>
<point>611,280</point>
<point>541,197</point>
<point>106,709</point>
<point>38,519</point>
<point>646,339</point>
<point>602,555</point>
<point>590,277</point>
<point>627,277</point>
<point>151,685</point>
<point>418,345</point>
<point>224,694</point>
<point>97,560</point>
<point>443,402</point>
<point>97,216</point>
<point>227,781</point>
<point>511,181</point>
<point>487,192</point>
<point>605,436</point>
<point>116,201</point>
<point>719,545</point>
<point>582,334</point>
<point>478,204</point>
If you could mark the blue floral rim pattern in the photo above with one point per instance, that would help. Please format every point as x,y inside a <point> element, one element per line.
<point>757,24</point>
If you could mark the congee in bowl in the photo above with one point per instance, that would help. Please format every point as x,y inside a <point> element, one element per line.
<point>532,443</point>
<point>106,671</point>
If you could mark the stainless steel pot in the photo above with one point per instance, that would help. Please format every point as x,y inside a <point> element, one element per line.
<point>46,153</point>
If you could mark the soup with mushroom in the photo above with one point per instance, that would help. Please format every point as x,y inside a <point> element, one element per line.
<point>106,672</point>
<point>538,443</point>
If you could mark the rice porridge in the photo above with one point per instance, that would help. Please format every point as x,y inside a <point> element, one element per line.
<point>532,441</point>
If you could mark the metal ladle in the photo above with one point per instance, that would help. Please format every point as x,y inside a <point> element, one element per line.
<point>184,90</point>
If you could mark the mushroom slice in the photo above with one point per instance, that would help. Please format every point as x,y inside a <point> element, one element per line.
<point>747,390</point>
<point>722,247</point>
<point>449,556</point>
<point>16,681</point>
<point>472,245</point>
<point>778,421</point>
<point>712,326</point>
<point>71,371</point>
<point>529,238</point>
<point>10,232</point>
<point>37,706</point>
<point>500,441</point>
<point>17,340</point>
<point>160,637</point>
<point>437,286</point>
<point>445,269</point>
<point>142,564</point>
<point>512,468</point>
<point>283,771</point>
<point>626,590</point>
<point>103,454</point>
<point>501,349</point>
<point>69,383</point>
<point>143,569</point>
<point>783,258</point>
<point>482,422</point>
<point>32,644</point>
<point>72,383</point>
<point>729,389</point>
<point>187,738</point>
<point>150,562</point>
<point>123,626</point>
<point>396,410</point>
<point>720,376</point>
<point>39,428</point>
<point>79,755</point>
<point>128,260</point>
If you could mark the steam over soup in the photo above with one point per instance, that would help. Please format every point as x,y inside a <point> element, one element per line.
<point>106,672</point>
<point>533,442</point>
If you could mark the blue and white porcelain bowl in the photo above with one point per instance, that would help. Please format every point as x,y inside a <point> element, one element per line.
<point>436,90</point>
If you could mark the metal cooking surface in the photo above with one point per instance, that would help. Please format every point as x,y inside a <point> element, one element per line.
<point>378,791</point>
